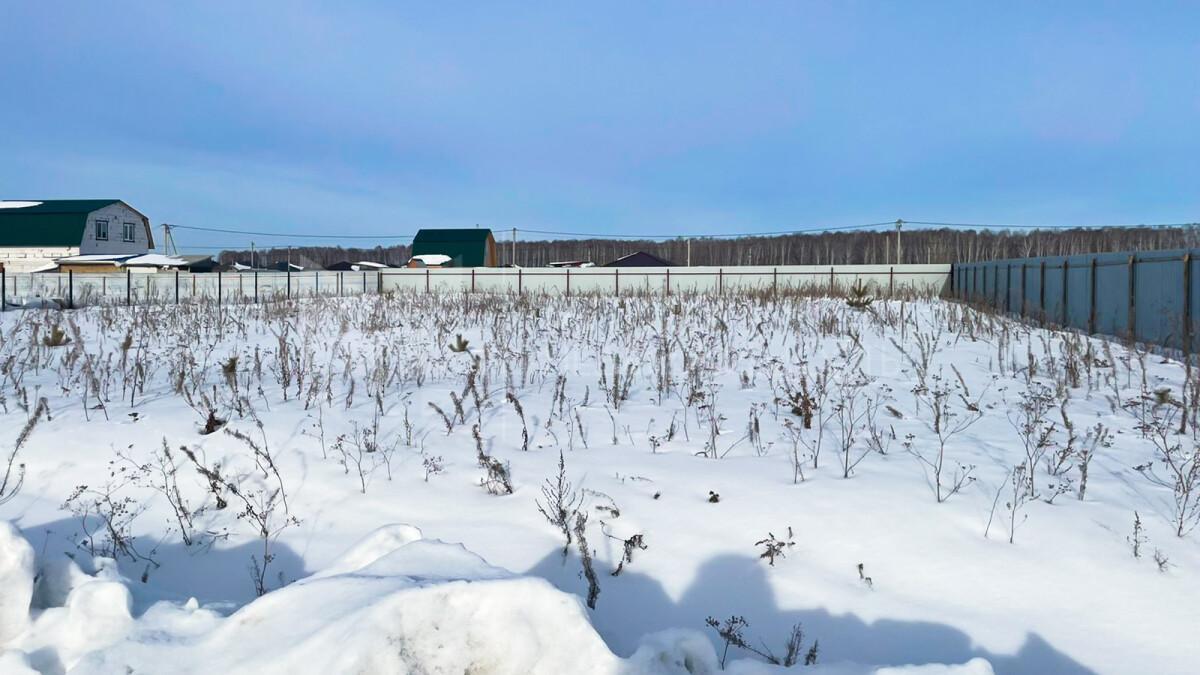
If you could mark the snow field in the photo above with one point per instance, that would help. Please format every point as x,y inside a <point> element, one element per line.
<point>1066,596</point>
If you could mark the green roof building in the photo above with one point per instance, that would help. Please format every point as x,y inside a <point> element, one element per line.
<point>34,233</point>
<point>465,248</point>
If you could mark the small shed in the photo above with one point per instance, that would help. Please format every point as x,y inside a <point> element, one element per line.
<point>465,247</point>
<point>640,259</point>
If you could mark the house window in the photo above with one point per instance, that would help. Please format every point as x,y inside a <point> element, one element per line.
<point>127,232</point>
<point>101,230</point>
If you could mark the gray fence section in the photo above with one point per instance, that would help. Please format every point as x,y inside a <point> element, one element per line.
<point>1150,297</point>
<point>84,290</point>
<point>880,279</point>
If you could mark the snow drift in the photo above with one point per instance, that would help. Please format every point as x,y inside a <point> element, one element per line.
<point>393,603</point>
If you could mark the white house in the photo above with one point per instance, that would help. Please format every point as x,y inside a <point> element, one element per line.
<point>34,234</point>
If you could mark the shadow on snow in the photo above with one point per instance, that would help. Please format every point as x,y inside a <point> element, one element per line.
<point>633,605</point>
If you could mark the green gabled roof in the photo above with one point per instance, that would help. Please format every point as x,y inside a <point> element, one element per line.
<point>84,206</point>
<point>466,247</point>
<point>54,222</point>
<point>476,235</point>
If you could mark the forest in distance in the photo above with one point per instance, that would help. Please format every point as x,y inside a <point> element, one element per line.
<point>940,245</point>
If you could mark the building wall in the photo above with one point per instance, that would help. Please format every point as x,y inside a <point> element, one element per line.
<point>116,215</point>
<point>18,260</point>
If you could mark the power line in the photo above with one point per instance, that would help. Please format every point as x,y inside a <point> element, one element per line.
<point>593,235</point>
<point>293,235</point>
<point>661,236</point>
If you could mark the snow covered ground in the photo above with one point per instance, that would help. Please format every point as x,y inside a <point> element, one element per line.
<point>165,486</point>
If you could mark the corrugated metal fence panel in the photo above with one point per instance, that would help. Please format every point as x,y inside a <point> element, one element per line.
<point>1130,294</point>
<point>1112,294</point>
<point>1158,298</point>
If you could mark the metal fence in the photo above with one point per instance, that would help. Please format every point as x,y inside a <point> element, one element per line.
<point>1149,297</point>
<point>70,289</point>
<point>879,279</point>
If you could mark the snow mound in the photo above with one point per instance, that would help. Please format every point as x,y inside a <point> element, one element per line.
<point>393,603</point>
<point>16,582</point>
<point>372,547</point>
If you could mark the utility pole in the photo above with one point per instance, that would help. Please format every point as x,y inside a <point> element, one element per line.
<point>514,247</point>
<point>899,248</point>
<point>168,241</point>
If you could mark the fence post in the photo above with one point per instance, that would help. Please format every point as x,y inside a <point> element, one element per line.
<point>128,287</point>
<point>891,281</point>
<point>774,281</point>
<point>219,287</point>
<point>668,281</point>
<point>1066,281</point>
<point>1024,302</point>
<point>831,280</point>
<point>1092,299</point>
<point>426,279</point>
<point>1186,341</point>
<point>720,281</point>
<point>316,283</point>
<point>473,279</point>
<point>617,279</point>
<point>1042,292</point>
<point>256,287</point>
<point>289,280</point>
<point>177,287</point>
<point>1132,329</point>
<point>1007,288</point>
<point>241,290</point>
<point>3,288</point>
<point>519,281</point>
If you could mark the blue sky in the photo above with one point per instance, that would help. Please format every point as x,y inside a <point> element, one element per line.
<point>377,118</point>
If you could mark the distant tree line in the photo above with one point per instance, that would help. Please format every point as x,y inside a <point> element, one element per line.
<point>944,245</point>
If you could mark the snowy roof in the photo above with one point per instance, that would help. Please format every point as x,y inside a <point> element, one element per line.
<point>17,204</point>
<point>372,265</point>
<point>155,260</point>
<point>95,259</point>
<point>432,258</point>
